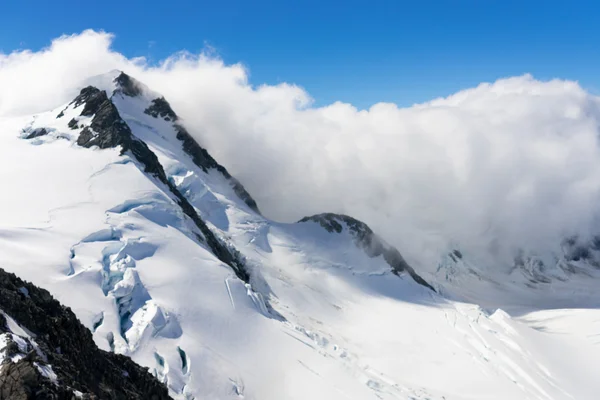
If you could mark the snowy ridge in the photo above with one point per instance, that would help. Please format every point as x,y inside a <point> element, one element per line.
<point>566,279</point>
<point>165,258</point>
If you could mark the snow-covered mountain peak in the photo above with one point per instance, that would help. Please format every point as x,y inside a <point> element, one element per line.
<point>165,257</point>
<point>119,82</point>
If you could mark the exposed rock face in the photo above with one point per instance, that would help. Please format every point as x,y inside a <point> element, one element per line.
<point>114,131</point>
<point>37,133</point>
<point>73,124</point>
<point>160,108</point>
<point>366,239</point>
<point>22,381</point>
<point>91,97</point>
<point>127,85</point>
<point>55,357</point>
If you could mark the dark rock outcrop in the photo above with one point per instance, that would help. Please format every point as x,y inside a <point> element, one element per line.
<point>160,108</point>
<point>127,85</point>
<point>73,124</point>
<point>107,129</point>
<point>60,343</point>
<point>91,97</point>
<point>37,133</point>
<point>366,239</point>
<point>23,381</point>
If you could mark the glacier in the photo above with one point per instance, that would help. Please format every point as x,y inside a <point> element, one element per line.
<point>114,208</point>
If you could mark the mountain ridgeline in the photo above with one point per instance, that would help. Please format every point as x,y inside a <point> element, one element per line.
<point>366,239</point>
<point>46,353</point>
<point>108,130</point>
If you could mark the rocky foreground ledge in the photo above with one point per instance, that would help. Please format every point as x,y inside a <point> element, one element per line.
<point>46,353</point>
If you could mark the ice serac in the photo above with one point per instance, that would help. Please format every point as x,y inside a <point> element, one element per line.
<point>46,353</point>
<point>366,239</point>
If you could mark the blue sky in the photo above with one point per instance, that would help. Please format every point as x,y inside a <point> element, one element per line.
<point>354,51</point>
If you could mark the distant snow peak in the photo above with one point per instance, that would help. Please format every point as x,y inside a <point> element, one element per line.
<point>576,257</point>
<point>366,239</point>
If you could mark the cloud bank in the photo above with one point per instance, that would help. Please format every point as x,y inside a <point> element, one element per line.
<point>514,163</point>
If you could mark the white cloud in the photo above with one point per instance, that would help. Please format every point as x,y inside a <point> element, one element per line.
<point>512,163</point>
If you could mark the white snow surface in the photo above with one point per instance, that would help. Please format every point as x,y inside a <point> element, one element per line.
<point>319,319</point>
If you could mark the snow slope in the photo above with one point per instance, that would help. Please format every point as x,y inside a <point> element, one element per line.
<point>111,206</point>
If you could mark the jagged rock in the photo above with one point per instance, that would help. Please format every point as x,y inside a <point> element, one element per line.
<point>22,381</point>
<point>160,107</point>
<point>3,324</point>
<point>127,85</point>
<point>107,129</point>
<point>73,124</point>
<point>368,241</point>
<point>67,347</point>
<point>91,97</point>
